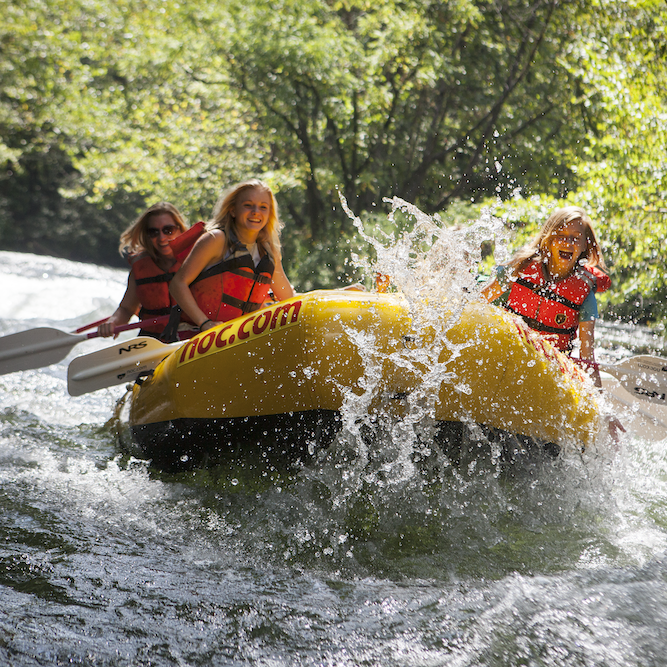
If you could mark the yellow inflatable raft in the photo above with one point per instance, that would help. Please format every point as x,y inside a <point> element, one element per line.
<point>276,380</point>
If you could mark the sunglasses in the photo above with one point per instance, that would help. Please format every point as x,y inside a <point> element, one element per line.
<point>167,230</point>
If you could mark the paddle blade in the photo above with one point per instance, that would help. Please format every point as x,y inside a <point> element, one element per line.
<point>35,348</point>
<point>116,364</point>
<point>643,376</point>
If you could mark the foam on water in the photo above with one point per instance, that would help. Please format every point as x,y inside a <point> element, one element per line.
<point>386,476</point>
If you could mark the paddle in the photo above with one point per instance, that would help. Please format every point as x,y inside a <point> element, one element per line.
<point>116,364</point>
<point>44,346</point>
<point>643,376</point>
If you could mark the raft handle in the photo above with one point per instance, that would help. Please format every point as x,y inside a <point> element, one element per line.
<point>142,377</point>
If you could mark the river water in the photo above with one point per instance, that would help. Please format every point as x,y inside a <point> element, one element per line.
<point>361,558</point>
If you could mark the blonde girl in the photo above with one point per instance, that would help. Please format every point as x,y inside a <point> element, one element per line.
<point>236,263</point>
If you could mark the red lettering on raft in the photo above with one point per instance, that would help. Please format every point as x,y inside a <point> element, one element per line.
<point>285,308</point>
<point>190,345</point>
<point>258,324</point>
<point>219,342</point>
<point>206,342</point>
<point>243,334</point>
<point>258,328</point>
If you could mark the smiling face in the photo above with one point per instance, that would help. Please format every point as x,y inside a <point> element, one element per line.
<point>251,213</point>
<point>160,229</point>
<point>565,247</point>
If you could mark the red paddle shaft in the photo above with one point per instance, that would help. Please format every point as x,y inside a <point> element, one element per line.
<point>163,319</point>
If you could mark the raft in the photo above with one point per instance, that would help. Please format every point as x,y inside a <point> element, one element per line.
<point>275,381</point>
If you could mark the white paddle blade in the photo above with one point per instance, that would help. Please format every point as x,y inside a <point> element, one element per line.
<point>643,376</point>
<point>115,365</point>
<point>35,348</point>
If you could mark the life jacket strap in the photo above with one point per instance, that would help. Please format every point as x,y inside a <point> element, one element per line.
<point>161,278</point>
<point>170,332</point>
<point>145,313</point>
<point>546,293</point>
<point>234,265</point>
<point>244,306</point>
<point>543,328</point>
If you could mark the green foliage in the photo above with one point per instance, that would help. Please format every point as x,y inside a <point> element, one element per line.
<point>107,107</point>
<point>34,217</point>
<point>423,100</point>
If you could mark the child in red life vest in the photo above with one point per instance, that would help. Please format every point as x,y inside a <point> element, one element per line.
<point>552,281</point>
<point>146,243</point>
<point>236,261</point>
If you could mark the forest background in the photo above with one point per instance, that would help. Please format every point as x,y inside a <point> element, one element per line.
<point>453,105</point>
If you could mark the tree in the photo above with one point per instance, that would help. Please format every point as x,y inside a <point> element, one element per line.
<point>39,72</point>
<point>100,113</point>
<point>407,98</point>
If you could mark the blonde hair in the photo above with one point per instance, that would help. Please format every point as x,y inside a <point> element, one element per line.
<point>135,238</point>
<point>224,219</point>
<point>539,247</point>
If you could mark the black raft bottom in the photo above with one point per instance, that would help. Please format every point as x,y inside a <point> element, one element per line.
<point>285,440</point>
<point>461,443</point>
<point>279,441</point>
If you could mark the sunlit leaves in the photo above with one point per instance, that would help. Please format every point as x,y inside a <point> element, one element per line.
<point>115,81</point>
<point>394,98</point>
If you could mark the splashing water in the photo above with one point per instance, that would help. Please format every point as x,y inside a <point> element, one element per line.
<point>435,268</point>
<point>432,263</point>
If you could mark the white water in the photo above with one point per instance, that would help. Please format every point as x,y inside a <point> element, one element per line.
<point>368,557</point>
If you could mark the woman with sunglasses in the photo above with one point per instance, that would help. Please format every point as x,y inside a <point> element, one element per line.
<point>146,244</point>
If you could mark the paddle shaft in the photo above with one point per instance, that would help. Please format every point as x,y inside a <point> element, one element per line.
<point>162,319</point>
<point>92,325</point>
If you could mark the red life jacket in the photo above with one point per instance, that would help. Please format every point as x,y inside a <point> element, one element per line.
<point>234,286</point>
<point>152,289</point>
<point>153,283</point>
<point>552,307</point>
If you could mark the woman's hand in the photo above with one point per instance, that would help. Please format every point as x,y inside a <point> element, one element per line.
<point>106,329</point>
<point>615,428</point>
<point>120,317</point>
<point>208,324</point>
